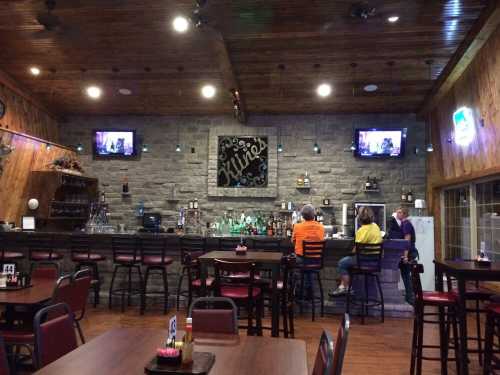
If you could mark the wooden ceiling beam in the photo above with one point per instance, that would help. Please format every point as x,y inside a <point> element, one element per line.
<point>14,86</point>
<point>227,72</point>
<point>485,25</point>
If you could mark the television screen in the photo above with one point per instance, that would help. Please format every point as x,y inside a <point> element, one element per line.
<point>380,143</point>
<point>118,143</point>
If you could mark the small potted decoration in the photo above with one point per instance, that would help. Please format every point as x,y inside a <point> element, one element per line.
<point>241,249</point>
<point>168,356</point>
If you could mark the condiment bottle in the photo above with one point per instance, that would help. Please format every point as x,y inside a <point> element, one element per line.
<point>187,346</point>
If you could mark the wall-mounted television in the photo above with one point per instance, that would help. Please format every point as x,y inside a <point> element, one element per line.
<point>380,143</point>
<point>114,143</point>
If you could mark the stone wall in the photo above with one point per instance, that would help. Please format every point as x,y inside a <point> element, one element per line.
<point>162,176</point>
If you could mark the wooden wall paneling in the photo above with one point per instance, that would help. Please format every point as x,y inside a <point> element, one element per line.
<point>28,155</point>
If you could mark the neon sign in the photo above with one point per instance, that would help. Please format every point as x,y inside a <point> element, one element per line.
<point>463,119</point>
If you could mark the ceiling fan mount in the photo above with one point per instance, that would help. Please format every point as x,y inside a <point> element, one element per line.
<point>47,19</point>
<point>363,10</point>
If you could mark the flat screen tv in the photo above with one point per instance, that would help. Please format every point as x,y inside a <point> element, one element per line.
<point>113,143</point>
<point>380,143</point>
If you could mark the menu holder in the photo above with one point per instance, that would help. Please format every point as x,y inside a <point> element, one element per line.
<point>15,287</point>
<point>201,365</point>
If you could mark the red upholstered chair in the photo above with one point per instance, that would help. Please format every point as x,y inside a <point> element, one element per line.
<point>212,318</point>
<point>82,255</point>
<point>323,364</point>
<point>41,249</point>
<point>341,345</point>
<point>242,291</point>
<point>4,364</point>
<point>125,256</point>
<point>54,333</point>
<point>45,271</point>
<point>154,257</point>
<point>447,304</point>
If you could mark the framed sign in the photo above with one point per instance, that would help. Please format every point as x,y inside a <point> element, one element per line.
<point>28,223</point>
<point>242,162</point>
<point>9,269</point>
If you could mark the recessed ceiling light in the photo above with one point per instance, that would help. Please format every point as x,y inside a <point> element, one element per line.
<point>35,71</point>
<point>370,88</point>
<point>94,92</point>
<point>180,24</point>
<point>125,91</point>
<point>208,91</point>
<point>393,19</point>
<point>324,90</point>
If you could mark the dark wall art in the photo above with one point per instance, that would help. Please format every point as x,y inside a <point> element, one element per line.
<point>242,161</point>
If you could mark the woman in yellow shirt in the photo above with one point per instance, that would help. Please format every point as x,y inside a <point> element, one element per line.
<point>369,233</point>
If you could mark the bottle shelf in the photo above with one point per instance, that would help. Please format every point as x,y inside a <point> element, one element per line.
<point>371,190</point>
<point>302,187</point>
<point>68,218</point>
<point>126,194</point>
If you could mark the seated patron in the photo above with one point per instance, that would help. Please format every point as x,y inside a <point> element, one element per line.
<point>368,233</point>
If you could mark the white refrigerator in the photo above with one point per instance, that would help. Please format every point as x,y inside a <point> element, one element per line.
<point>424,232</point>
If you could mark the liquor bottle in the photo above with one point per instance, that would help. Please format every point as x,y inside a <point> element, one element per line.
<point>403,195</point>
<point>409,196</point>
<point>368,184</point>
<point>307,181</point>
<point>125,185</point>
<point>283,205</point>
<point>191,204</point>
<point>270,225</point>
<point>187,344</point>
<point>195,204</point>
<point>103,197</point>
<point>289,206</point>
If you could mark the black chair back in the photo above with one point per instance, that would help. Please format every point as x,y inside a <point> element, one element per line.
<point>224,271</point>
<point>125,246</point>
<point>369,257</point>
<point>228,244</point>
<point>323,364</point>
<point>341,346</point>
<point>313,254</point>
<point>266,244</point>
<point>153,246</point>
<point>80,245</point>
<point>192,248</point>
<point>40,242</point>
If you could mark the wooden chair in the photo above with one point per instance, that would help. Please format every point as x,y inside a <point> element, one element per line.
<point>154,258</point>
<point>54,333</point>
<point>368,265</point>
<point>212,318</point>
<point>243,291</point>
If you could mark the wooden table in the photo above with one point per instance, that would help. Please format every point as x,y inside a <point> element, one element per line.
<point>262,259</point>
<point>464,271</point>
<point>125,351</point>
<point>41,291</point>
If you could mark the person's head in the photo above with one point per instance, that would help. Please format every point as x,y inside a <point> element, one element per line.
<point>308,212</point>
<point>402,213</point>
<point>365,215</point>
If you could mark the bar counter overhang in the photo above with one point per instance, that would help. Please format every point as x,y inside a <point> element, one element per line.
<point>335,250</point>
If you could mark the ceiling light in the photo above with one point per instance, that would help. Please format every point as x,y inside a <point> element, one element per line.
<point>79,147</point>
<point>145,148</point>
<point>370,88</point>
<point>324,90</point>
<point>316,148</point>
<point>280,147</point>
<point>353,146</point>
<point>208,91</point>
<point>125,91</point>
<point>393,19</point>
<point>178,148</point>
<point>180,24</point>
<point>430,148</point>
<point>35,71</point>
<point>94,92</point>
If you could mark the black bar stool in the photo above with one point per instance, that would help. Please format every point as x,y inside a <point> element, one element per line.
<point>228,243</point>
<point>447,305</point>
<point>368,265</point>
<point>125,256</point>
<point>266,244</point>
<point>6,253</point>
<point>191,249</point>
<point>491,351</point>
<point>312,264</point>
<point>41,250</point>
<point>154,257</point>
<point>84,258</point>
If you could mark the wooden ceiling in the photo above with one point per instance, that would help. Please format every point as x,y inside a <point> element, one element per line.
<point>279,51</point>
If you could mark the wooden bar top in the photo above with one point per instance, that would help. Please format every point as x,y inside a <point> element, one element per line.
<point>250,256</point>
<point>125,351</point>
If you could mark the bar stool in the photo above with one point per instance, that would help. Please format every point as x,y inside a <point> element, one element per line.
<point>491,353</point>
<point>447,304</point>
<point>154,257</point>
<point>368,265</point>
<point>191,249</point>
<point>312,264</point>
<point>266,244</point>
<point>85,258</point>
<point>7,256</point>
<point>41,249</point>
<point>126,256</point>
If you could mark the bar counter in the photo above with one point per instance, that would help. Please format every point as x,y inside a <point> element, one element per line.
<point>335,250</point>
